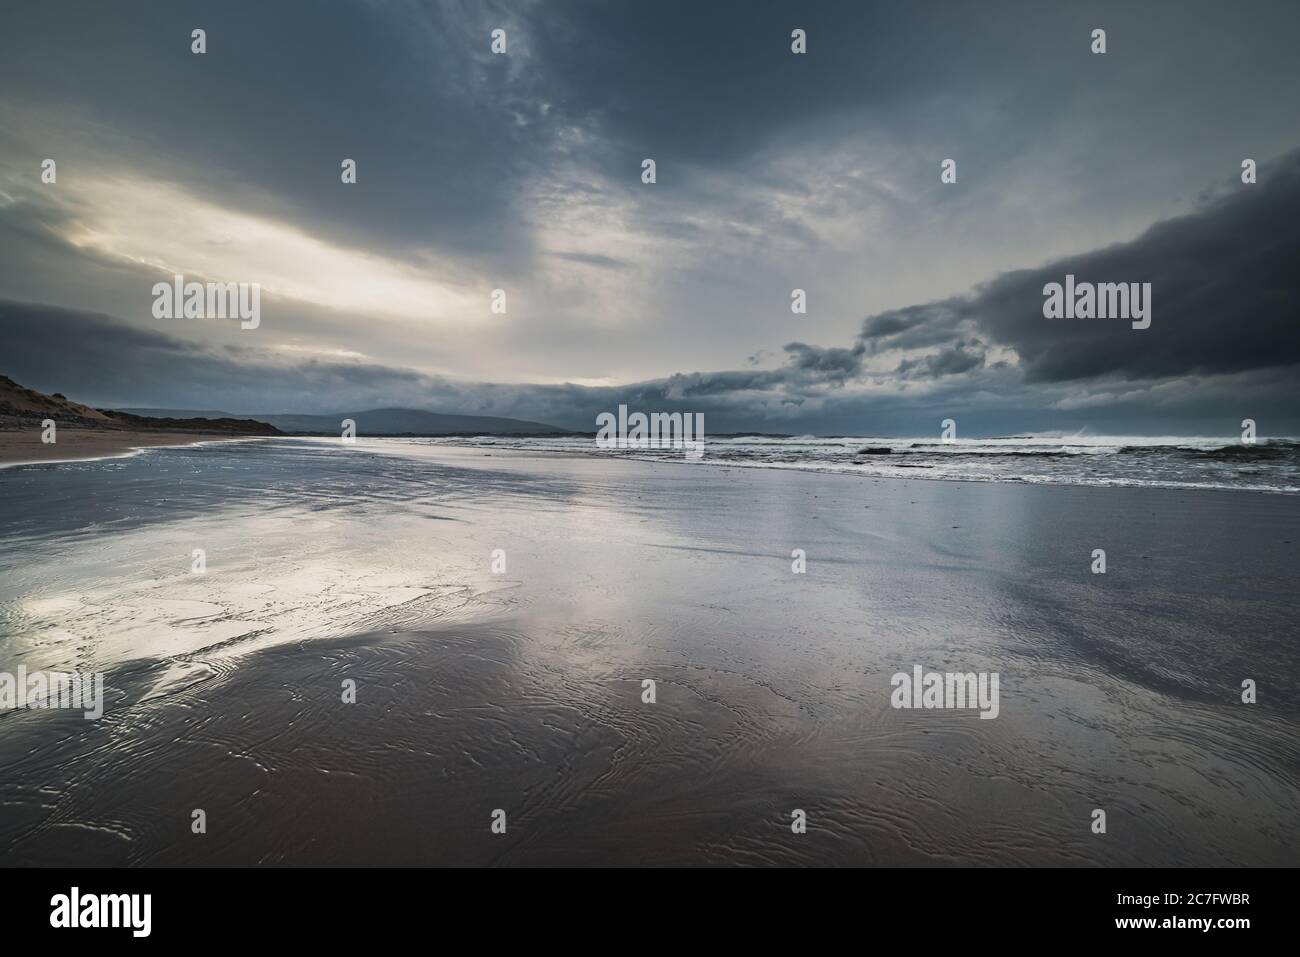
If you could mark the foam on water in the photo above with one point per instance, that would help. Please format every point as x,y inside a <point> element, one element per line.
<point>1269,465</point>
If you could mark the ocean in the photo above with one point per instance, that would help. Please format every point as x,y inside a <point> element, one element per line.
<point>1268,465</point>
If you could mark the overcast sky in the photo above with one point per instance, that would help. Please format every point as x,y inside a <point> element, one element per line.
<point>775,171</point>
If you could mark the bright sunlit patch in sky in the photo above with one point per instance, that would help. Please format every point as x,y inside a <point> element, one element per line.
<point>161,226</point>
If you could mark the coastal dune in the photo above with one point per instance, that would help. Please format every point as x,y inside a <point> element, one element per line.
<point>81,432</point>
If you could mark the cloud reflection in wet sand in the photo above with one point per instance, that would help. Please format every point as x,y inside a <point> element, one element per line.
<point>522,690</point>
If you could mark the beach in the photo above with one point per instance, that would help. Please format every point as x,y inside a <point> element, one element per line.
<point>24,446</point>
<point>498,612</point>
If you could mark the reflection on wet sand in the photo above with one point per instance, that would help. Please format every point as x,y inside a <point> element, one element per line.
<point>523,690</point>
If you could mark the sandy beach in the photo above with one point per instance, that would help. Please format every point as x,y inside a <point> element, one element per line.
<point>24,446</point>
<point>521,688</point>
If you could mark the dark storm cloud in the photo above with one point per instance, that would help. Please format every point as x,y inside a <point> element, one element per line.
<point>1223,287</point>
<point>448,137</point>
<point>699,385</point>
<point>685,80</point>
<point>104,360</point>
<point>953,360</point>
<point>835,365</point>
<point>443,133</point>
<point>1224,299</point>
<point>914,327</point>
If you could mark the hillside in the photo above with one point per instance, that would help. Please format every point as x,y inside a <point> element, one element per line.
<point>21,406</point>
<point>21,403</point>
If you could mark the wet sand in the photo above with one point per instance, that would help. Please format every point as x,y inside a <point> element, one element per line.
<point>522,690</point>
<point>24,446</point>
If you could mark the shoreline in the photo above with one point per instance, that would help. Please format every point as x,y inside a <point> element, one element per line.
<point>905,473</point>
<point>18,448</point>
<point>91,445</point>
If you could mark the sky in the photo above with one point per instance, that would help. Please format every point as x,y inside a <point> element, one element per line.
<point>774,171</point>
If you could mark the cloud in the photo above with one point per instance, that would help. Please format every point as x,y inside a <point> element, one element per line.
<point>1224,299</point>
<point>592,259</point>
<point>832,365</point>
<point>776,172</point>
<point>914,327</point>
<point>954,360</point>
<point>159,227</point>
<point>1224,294</point>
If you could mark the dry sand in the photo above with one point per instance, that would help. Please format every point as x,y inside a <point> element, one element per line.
<point>24,446</point>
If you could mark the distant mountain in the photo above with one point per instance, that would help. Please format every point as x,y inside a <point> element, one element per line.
<point>407,422</point>
<point>183,414</point>
<point>383,422</point>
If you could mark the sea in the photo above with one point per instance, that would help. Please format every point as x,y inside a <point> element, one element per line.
<point>1267,465</point>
